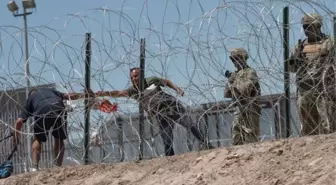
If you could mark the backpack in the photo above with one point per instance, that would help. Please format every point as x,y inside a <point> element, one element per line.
<point>6,169</point>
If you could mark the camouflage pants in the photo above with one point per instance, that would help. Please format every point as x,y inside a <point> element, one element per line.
<point>317,114</point>
<point>245,127</point>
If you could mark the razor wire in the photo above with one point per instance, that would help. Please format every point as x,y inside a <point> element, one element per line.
<point>187,42</point>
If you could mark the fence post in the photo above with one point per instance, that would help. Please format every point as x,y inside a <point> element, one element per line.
<point>120,122</point>
<point>286,72</point>
<point>206,126</point>
<point>334,20</point>
<point>218,128</point>
<point>86,101</point>
<point>142,86</point>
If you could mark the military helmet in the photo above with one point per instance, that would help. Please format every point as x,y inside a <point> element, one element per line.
<point>312,18</point>
<point>239,52</point>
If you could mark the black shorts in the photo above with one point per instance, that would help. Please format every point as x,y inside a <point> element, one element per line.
<point>43,125</point>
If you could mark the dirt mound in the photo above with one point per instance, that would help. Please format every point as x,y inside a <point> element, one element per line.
<point>308,160</point>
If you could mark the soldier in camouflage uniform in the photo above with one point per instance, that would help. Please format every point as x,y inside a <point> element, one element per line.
<point>244,89</point>
<point>313,60</point>
<point>160,105</point>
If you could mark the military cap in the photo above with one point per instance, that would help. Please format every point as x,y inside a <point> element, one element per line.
<point>239,52</point>
<point>312,18</point>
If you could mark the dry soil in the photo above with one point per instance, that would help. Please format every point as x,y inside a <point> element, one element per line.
<point>298,161</point>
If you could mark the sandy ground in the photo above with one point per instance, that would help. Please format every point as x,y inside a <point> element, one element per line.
<point>299,161</point>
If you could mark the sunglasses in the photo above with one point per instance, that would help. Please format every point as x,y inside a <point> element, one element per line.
<point>309,26</point>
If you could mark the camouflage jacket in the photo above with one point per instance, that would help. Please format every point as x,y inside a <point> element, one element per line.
<point>244,87</point>
<point>309,60</point>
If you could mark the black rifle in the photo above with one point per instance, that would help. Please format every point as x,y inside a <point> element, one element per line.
<point>227,74</point>
<point>296,60</point>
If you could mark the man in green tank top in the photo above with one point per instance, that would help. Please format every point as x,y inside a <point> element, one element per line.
<point>160,105</point>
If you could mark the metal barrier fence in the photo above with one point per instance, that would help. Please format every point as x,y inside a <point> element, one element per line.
<point>11,102</point>
<point>121,138</point>
<point>121,135</point>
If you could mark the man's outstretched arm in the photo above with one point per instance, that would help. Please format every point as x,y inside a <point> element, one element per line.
<point>73,96</point>
<point>19,123</point>
<point>113,94</point>
<point>24,115</point>
<point>171,85</point>
<point>18,126</point>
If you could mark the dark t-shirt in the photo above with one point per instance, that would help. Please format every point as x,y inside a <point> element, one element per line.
<point>43,102</point>
<point>155,101</point>
<point>133,92</point>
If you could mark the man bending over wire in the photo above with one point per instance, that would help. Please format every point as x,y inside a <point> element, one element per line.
<point>166,108</point>
<point>47,107</point>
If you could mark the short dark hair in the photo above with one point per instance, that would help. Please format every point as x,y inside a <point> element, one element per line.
<point>134,68</point>
<point>32,90</point>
